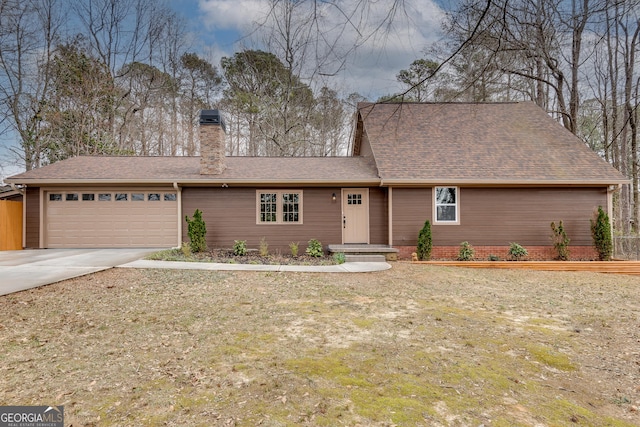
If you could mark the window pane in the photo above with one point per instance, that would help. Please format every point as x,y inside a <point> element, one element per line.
<point>268,207</point>
<point>446,213</point>
<point>154,197</point>
<point>55,197</point>
<point>290,207</point>
<point>72,197</point>
<point>104,197</point>
<point>121,197</point>
<point>445,195</point>
<point>137,197</point>
<point>88,197</point>
<point>170,197</point>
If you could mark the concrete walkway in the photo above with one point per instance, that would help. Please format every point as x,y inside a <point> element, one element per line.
<point>21,270</point>
<point>347,267</point>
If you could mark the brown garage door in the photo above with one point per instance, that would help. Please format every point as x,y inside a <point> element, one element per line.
<point>110,218</point>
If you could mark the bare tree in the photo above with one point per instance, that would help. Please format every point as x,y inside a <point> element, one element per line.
<point>29,32</point>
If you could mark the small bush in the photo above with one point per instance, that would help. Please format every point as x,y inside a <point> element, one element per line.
<point>601,233</point>
<point>424,242</point>
<point>493,257</point>
<point>560,241</point>
<point>240,247</point>
<point>186,250</point>
<point>264,247</point>
<point>517,251</point>
<point>197,232</point>
<point>339,257</point>
<point>466,252</point>
<point>314,248</point>
<point>293,247</point>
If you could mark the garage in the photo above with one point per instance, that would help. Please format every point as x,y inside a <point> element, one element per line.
<point>110,218</point>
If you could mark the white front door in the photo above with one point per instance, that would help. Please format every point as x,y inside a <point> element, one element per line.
<point>355,215</point>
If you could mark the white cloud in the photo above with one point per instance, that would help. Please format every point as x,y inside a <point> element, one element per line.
<point>387,39</point>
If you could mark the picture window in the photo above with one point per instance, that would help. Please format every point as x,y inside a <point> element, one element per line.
<point>279,207</point>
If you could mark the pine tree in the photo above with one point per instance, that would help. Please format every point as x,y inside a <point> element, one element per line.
<point>601,233</point>
<point>197,232</point>
<point>424,242</point>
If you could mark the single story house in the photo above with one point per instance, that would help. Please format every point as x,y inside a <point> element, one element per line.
<point>486,173</point>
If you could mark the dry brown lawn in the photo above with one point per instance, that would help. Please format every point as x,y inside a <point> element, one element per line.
<point>417,345</point>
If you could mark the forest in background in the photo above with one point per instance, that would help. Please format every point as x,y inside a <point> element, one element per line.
<point>122,76</point>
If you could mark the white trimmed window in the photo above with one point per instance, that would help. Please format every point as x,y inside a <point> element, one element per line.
<point>446,202</point>
<point>279,206</point>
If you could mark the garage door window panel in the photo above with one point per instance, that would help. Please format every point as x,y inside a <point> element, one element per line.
<point>55,197</point>
<point>88,197</point>
<point>137,197</point>
<point>104,197</point>
<point>154,197</point>
<point>71,197</point>
<point>121,197</point>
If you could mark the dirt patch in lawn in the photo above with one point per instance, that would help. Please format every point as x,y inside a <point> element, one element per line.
<point>414,345</point>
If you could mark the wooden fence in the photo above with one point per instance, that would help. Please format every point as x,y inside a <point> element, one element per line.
<point>10,225</point>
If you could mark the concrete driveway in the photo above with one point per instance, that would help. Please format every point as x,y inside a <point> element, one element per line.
<point>20,270</point>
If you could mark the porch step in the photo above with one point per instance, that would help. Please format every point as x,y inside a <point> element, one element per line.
<point>365,258</point>
<point>366,253</point>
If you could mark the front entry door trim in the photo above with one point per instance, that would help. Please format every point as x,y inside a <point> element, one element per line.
<point>355,215</point>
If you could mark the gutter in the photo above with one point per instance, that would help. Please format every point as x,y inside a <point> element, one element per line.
<point>14,187</point>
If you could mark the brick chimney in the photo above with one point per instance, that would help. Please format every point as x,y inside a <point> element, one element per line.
<point>212,144</point>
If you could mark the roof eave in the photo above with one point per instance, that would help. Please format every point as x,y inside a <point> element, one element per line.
<point>502,182</point>
<point>197,182</point>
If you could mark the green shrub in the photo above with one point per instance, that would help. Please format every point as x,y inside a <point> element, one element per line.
<point>560,241</point>
<point>314,248</point>
<point>424,242</point>
<point>240,247</point>
<point>493,257</point>
<point>293,247</point>
<point>339,257</point>
<point>517,252</point>
<point>466,252</point>
<point>264,247</point>
<point>601,233</point>
<point>197,232</point>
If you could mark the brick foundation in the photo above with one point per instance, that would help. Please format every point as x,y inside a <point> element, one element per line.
<point>536,253</point>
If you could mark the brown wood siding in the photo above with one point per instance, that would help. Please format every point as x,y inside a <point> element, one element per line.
<point>230,214</point>
<point>411,208</point>
<point>491,216</point>
<point>378,216</point>
<point>33,217</point>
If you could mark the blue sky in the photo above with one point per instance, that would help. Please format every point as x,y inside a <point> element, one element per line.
<point>220,28</point>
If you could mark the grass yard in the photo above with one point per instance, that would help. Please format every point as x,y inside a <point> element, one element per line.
<point>416,345</point>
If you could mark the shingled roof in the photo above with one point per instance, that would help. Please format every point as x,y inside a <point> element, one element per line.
<point>477,143</point>
<point>402,144</point>
<point>186,170</point>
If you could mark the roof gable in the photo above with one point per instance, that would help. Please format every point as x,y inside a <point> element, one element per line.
<point>485,143</point>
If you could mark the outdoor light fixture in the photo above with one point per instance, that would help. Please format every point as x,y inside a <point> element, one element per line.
<point>333,197</point>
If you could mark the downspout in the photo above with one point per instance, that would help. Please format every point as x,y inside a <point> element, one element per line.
<point>179,191</point>
<point>23,191</point>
